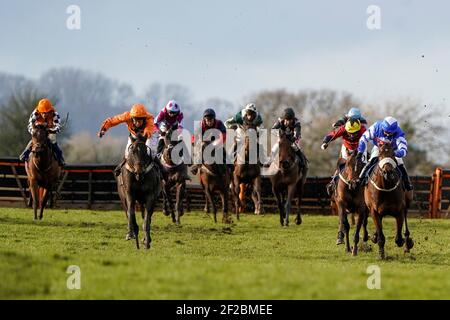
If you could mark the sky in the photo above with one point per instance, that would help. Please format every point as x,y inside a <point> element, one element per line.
<point>231,49</point>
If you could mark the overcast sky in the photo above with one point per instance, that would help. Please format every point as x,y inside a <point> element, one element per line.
<point>230,49</point>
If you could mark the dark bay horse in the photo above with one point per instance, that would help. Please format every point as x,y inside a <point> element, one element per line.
<point>139,182</point>
<point>246,174</point>
<point>175,178</point>
<point>290,175</point>
<point>213,178</point>
<point>42,169</point>
<point>350,199</point>
<point>385,195</point>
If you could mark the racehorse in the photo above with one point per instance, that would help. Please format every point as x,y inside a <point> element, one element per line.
<point>289,175</point>
<point>350,199</point>
<point>246,174</point>
<point>175,177</point>
<point>385,195</point>
<point>43,170</point>
<point>215,177</point>
<point>139,182</point>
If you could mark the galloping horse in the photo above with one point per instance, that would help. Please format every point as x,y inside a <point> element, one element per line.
<point>290,175</point>
<point>384,195</point>
<point>139,181</point>
<point>175,176</point>
<point>215,177</point>
<point>42,169</point>
<point>350,199</point>
<point>246,174</point>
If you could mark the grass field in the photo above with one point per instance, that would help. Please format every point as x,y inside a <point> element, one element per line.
<point>253,259</point>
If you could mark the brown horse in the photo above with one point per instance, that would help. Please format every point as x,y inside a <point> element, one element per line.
<point>215,178</point>
<point>42,169</point>
<point>139,182</point>
<point>246,174</point>
<point>289,175</point>
<point>175,177</point>
<point>348,200</point>
<point>384,195</point>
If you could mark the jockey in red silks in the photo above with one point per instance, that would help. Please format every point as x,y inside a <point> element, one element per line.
<point>169,117</point>
<point>350,133</point>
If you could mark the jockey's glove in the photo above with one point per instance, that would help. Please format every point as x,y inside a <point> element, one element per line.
<point>359,155</point>
<point>324,146</point>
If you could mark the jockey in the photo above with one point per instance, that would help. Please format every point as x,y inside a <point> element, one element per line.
<point>247,116</point>
<point>351,132</point>
<point>45,113</point>
<point>139,122</point>
<point>169,117</point>
<point>386,130</point>
<point>289,124</point>
<point>353,113</point>
<point>209,121</point>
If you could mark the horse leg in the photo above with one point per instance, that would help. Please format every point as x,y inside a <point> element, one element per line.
<point>364,224</point>
<point>277,194</point>
<point>298,219</point>
<point>256,195</point>
<point>206,208</point>
<point>179,202</point>
<point>132,224</point>
<point>409,241</point>
<point>166,196</point>
<point>242,197</point>
<point>224,199</point>
<point>378,221</point>
<point>149,207</point>
<point>341,231</point>
<point>288,204</point>
<point>209,197</point>
<point>358,223</point>
<point>45,196</point>
<point>237,201</point>
<point>35,196</point>
<point>399,241</point>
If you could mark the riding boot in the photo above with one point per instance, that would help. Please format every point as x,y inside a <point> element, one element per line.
<point>331,184</point>
<point>406,181</point>
<point>59,154</point>
<point>118,169</point>
<point>363,175</point>
<point>26,153</point>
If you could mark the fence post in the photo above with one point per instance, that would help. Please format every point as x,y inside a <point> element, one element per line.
<point>19,184</point>
<point>436,194</point>
<point>90,190</point>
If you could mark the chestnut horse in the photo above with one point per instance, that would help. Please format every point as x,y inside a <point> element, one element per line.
<point>385,195</point>
<point>215,177</point>
<point>350,199</point>
<point>290,175</point>
<point>43,170</point>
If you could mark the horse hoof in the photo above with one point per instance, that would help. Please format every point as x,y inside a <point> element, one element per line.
<point>354,252</point>
<point>374,238</point>
<point>298,221</point>
<point>409,243</point>
<point>400,242</point>
<point>339,241</point>
<point>129,236</point>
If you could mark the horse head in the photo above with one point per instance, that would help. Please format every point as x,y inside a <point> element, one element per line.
<point>138,157</point>
<point>286,155</point>
<point>387,163</point>
<point>39,137</point>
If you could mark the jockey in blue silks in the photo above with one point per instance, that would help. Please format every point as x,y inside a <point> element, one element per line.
<point>386,130</point>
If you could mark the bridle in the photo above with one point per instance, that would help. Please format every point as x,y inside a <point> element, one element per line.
<point>381,164</point>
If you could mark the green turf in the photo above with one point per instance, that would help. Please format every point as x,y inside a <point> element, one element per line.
<point>254,259</point>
